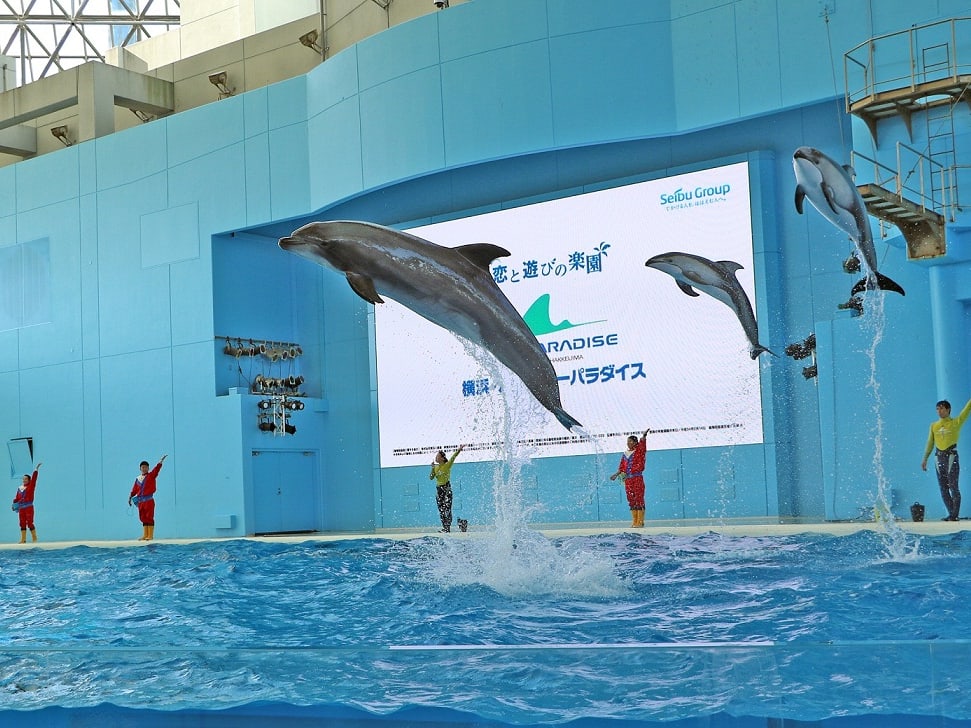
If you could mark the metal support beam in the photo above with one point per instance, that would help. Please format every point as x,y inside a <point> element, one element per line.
<point>21,141</point>
<point>95,88</point>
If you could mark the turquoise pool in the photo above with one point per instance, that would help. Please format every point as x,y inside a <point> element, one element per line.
<point>505,627</point>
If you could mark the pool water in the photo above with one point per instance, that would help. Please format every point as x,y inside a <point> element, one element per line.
<point>492,628</point>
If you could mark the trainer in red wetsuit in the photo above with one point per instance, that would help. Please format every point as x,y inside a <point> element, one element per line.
<point>143,495</point>
<point>23,503</point>
<point>631,472</point>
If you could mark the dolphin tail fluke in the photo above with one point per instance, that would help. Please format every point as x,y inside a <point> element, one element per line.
<point>565,419</point>
<point>759,349</point>
<point>882,282</point>
<point>886,284</point>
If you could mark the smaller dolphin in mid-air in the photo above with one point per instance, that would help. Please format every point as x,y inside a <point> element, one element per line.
<point>718,280</point>
<point>451,287</point>
<point>830,188</point>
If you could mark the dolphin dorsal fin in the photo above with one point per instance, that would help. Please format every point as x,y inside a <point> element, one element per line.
<point>729,265</point>
<point>685,288</point>
<point>850,171</point>
<point>481,254</point>
<point>363,286</point>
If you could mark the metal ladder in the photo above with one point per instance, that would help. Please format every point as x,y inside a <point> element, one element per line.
<point>939,120</point>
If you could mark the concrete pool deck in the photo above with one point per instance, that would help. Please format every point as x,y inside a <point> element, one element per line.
<point>691,527</point>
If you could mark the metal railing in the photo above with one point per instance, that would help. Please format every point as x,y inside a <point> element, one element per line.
<point>917,178</point>
<point>908,58</point>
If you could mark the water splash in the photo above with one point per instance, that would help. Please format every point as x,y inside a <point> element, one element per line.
<point>899,543</point>
<point>510,557</point>
<point>521,563</point>
<point>725,483</point>
<point>515,560</point>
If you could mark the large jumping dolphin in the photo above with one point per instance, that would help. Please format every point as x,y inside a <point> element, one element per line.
<point>718,280</point>
<point>830,188</point>
<point>451,287</point>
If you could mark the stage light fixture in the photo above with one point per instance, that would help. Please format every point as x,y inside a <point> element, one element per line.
<point>60,133</point>
<point>219,80</point>
<point>309,39</point>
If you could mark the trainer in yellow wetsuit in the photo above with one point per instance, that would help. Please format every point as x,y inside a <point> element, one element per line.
<point>442,474</point>
<point>944,435</point>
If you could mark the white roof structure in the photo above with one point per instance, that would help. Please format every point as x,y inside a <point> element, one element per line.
<point>38,38</point>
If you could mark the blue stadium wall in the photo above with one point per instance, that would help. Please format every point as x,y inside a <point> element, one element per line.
<point>142,249</point>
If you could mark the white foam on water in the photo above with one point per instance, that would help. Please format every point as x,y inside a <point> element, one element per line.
<point>508,556</point>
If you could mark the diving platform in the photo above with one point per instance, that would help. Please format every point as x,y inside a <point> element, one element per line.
<point>916,71</point>
<point>911,98</point>
<point>923,229</point>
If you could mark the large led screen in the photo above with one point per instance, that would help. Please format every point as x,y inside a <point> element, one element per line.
<point>631,351</point>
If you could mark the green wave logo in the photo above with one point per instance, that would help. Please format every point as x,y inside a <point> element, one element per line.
<point>537,318</point>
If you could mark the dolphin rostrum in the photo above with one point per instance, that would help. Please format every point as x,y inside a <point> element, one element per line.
<point>718,280</point>
<point>830,188</point>
<point>451,287</point>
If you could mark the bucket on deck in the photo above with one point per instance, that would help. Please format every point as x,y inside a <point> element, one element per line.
<point>917,511</point>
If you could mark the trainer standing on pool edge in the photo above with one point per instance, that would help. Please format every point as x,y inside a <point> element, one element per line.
<point>944,435</point>
<point>143,495</point>
<point>442,474</point>
<point>23,504</point>
<point>631,474</point>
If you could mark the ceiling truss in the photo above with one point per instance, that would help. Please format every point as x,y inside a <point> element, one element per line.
<point>47,36</point>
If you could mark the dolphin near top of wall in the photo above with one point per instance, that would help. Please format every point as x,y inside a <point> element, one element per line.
<point>830,188</point>
<point>718,280</point>
<point>451,287</point>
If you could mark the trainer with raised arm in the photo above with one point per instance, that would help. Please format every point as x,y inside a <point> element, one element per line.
<point>23,504</point>
<point>944,436</point>
<point>631,473</point>
<point>143,495</point>
<point>442,475</point>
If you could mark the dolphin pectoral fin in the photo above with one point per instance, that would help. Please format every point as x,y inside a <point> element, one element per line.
<point>685,288</point>
<point>363,286</point>
<point>828,194</point>
<point>800,196</point>
<point>482,254</point>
